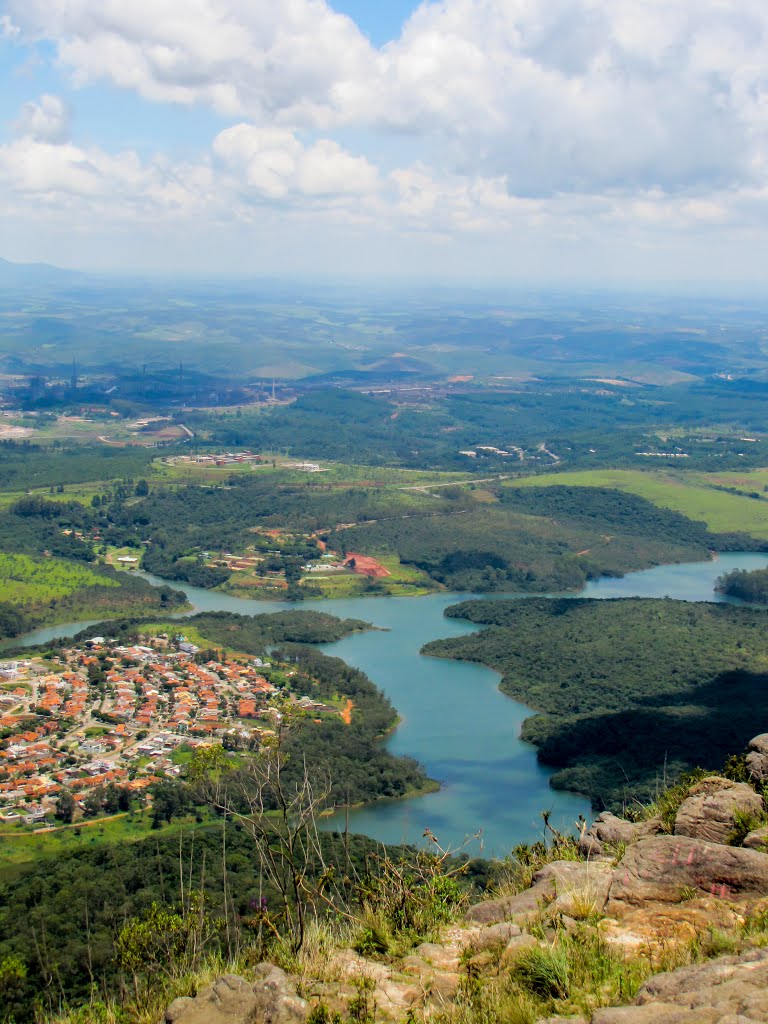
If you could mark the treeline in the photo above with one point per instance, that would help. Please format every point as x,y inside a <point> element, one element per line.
<point>747,586</point>
<point>632,690</point>
<point>538,539</point>
<point>26,465</point>
<point>251,634</point>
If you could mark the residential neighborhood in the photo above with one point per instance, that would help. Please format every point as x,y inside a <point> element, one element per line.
<point>110,714</point>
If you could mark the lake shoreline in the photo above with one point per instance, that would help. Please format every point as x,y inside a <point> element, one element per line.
<point>453,717</point>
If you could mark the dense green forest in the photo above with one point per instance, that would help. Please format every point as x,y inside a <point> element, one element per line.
<point>632,691</point>
<point>747,586</point>
<point>61,916</point>
<point>24,464</point>
<point>586,423</point>
<point>249,634</point>
<point>540,539</point>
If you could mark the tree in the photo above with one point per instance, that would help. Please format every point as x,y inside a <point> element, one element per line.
<point>65,807</point>
<point>94,802</point>
<point>142,489</point>
<point>280,814</point>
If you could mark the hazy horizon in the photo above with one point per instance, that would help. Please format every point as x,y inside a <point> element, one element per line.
<point>590,143</point>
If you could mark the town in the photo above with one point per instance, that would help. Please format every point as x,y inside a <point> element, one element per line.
<point>100,723</point>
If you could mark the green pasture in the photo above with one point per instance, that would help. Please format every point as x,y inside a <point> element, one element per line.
<point>19,845</point>
<point>23,580</point>
<point>694,494</point>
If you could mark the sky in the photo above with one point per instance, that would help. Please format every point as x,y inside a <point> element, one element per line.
<point>564,141</point>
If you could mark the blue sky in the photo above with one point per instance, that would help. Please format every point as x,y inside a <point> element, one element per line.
<point>380,21</point>
<point>582,141</point>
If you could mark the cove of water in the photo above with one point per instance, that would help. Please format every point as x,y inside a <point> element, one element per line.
<point>454,719</point>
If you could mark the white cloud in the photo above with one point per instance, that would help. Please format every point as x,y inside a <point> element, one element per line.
<point>273,164</point>
<point>47,120</point>
<point>7,29</point>
<point>574,120</point>
<point>268,60</point>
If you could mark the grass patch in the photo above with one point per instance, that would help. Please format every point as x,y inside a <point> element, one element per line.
<point>28,581</point>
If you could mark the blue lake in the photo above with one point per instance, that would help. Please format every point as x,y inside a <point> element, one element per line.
<point>454,719</point>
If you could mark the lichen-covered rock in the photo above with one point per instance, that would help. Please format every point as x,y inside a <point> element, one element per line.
<point>667,868</point>
<point>710,811</point>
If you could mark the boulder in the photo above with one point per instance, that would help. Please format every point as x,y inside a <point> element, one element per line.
<point>710,810</point>
<point>230,1000</point>
<point>757,840</point>
<point>607,828</point>
<point>728,990</point>
<point>277,1001</point>
<point>233,1000</point>
<point>557,885</point>
<point>438,956</point>
<point>177,1007</point>
<point>665,868</point>
<point>687,983</point>
<point>757,758</point>
<point>495,935</point>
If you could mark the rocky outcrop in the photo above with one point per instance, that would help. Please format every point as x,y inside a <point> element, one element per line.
<point>711,810</point>
<point>666,868</point>
<point>729,990</point>
<point>664,894</point>
<point>557,885</point>
<point>272,999</point>
<point>757,758</point>
<point>607,830</point>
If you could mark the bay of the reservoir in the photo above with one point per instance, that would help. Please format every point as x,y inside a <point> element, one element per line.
<point>454,719</point>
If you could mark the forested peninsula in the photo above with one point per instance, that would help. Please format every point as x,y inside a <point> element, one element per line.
<point>631,693</point>
<point>747,586</point>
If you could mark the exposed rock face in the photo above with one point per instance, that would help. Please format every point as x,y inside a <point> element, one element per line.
<point>557,884</point>
<point>663,926</point>
<point>661,868</point>
<point>757,758</point>
<point>496,935</point>
<point>610,830</point>
<point>233,1000</point>
<point>710,811</point>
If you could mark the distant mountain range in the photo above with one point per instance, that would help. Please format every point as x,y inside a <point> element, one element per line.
<point>19,275</point>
